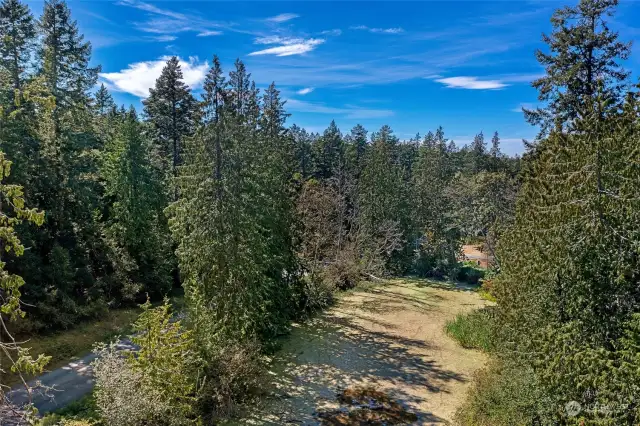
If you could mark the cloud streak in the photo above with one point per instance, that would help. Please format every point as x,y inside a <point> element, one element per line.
<point>165,21</point>
<point>288,46</point>
<point>283,17</point>
<point>209,33</point>
<point>305,91</point>
<point>138,77</point>
<point>348,111</point>
<point>396,30</point>
<point>471,83</point>
<point>163,37</point>
<point>277,40</point>
<point>335,32</point>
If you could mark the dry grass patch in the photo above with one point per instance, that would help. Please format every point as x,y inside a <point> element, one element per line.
<point>66,345</point>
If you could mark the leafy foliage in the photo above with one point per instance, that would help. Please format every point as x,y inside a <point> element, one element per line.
<point>12,213</point>
<point>159,383</point>
<point>568,288</point>
<point>584,53</point>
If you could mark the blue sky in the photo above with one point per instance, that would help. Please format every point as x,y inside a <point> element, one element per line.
<point>464,65</point>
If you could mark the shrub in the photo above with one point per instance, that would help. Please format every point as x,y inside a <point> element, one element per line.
<point>437,256</point>
<point>55,420</point>
<point>474,330</point>
<point>120,394</point>
<point>156,385</point>
<point>234,373</point>
<point>502,394</point>
<point>487,287</point>
<point>318,292</point>
<point>470,273</point>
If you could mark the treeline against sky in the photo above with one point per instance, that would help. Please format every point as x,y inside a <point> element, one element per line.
<point>249,203</point>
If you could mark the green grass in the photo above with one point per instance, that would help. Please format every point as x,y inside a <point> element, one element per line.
<point>82,409</point>
<point>487,295</point>
<point>473,330</point>
<point>66,345</point>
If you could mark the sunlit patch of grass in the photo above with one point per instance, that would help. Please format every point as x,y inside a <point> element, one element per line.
<point>487,296</point>
<point>473,330</point>
<point>67,345</point>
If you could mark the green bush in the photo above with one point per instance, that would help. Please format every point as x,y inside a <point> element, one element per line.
<point>474,330</point>
<point>234,373</point>
<point>437,257</point>
<point>156,385</point>
<point>502,394</point>
<point>317,293</point>
<point>470,273</point>
<point>79,413</point>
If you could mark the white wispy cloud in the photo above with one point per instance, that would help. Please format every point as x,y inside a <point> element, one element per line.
<point>305,91</point>
<point>348,111</point>
<point>138,77</point>
<point>472,83</point>
<point>209,33</point>
<point>283,17</point>
<point>166,21</point>
<point>163,37</point>
<point>147,7</point>
<point>98,16</point>
<point>274,39</point>
<point>288,46</point>
<point>396,30</point>
<point>390,63</point>
<point>334,32</point>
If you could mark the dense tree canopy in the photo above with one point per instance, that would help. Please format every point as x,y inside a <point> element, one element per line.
<point>260,222</point>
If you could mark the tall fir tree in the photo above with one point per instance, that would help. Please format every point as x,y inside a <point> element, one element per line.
<point>172,110</point>
<point>233,247</point>
<point>278,215</point>
<point>356,146</point>
<point>477,154</point>
<point>328,152</point>
<point>103,101</point>
<point>584,53</point>
<point>568,287</point>
<point>213,102</point>
<point>303,151</point>
<point>381,189</point>
<point>438,239</point>
<point>18,35</point>
<point>241,96</point>
<point>64,57</point>
<point>136,226</point>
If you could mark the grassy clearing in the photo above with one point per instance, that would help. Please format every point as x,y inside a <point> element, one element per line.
<point>473,330</point>
<point>66,345</point>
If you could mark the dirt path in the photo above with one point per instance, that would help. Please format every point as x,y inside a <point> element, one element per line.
<point>390,338</point>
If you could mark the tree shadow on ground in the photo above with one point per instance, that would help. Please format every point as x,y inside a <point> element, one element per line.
<point>412,282</point>
<point>329,354</point>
